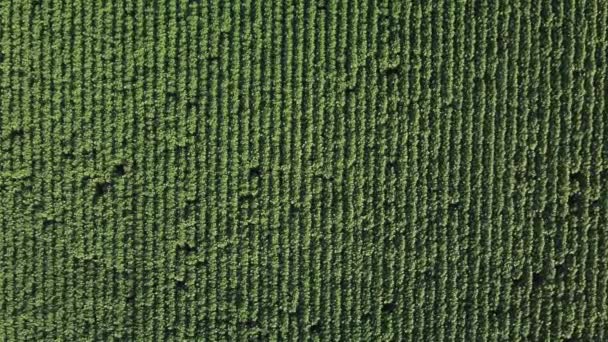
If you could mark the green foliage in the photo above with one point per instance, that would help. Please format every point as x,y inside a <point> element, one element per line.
<point>303,170</point>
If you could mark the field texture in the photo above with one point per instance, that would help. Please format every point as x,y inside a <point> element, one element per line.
<point>355,170</point>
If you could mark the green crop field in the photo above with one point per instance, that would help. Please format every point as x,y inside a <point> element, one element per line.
<point>281,170</point>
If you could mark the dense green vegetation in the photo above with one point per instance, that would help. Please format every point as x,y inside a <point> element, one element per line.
<point>382,170</point>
